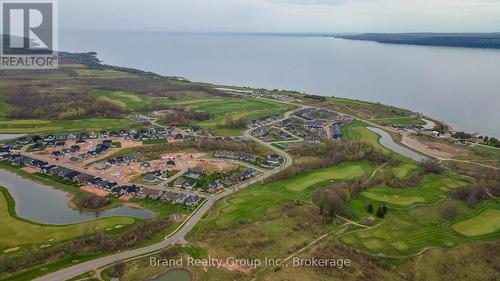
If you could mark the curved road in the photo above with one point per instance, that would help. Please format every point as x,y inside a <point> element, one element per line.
<point>73,271</point>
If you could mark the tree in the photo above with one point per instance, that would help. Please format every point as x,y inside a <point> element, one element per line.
<point>449,211</point>
<point>380,212</point>
<point>384,208</point>
<point>431,166</point>
<point>369,208</point>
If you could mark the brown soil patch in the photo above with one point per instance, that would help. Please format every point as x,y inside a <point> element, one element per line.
<point>446,148</point>
<point>94,190</point>
<point>29,170</point>
<point>437,149</point>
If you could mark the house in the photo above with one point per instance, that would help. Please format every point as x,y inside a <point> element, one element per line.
<point>170,163</point>
<point>75,159</point>
<point>180,198</point>
<point>192,200</point>
<point>130,189</point>
<point>75,148</point>
<point>273,159</point>
<point>179,182</point>
<point>194,174</point>
<point>266,164</point>
<point>99,166</point>
<point>152,177</point>
<point>150,193</point>
<point>83,178</point>
<point>145,165</point>
<point>435,133</point>
<point>37,146</point>
<point>117,190</point>
<point>168,196</point>
<point>249,172</point>
<point>56,154</point>
<point>189,184</point>
<point>336,131</point>
<point>22,141</point>
<point>214,186</point>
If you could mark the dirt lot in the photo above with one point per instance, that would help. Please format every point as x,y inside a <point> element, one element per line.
<point>94,190</point>
<point>183,161</point>
<point>29,170</point>
<point>438,149</point>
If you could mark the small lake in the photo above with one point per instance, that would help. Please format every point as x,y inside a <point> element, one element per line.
<point>387,141</point>
<point>43,204</point>
<point>10,136</point>
<point>175,275</point>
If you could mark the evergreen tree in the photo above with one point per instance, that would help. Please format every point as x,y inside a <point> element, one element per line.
<point>380,212</point>
<point>369,208</point>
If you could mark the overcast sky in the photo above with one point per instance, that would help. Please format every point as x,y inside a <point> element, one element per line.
<point>282,15</point>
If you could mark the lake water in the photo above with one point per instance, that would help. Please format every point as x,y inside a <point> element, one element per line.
<point>387,141</point>
<point>457,85</point>
<point>44,204</point>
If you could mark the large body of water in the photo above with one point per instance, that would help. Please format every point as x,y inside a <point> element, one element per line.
<point>44,204</point>
<point>457,85</point>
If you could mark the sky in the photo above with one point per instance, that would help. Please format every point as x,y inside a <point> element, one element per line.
<point>323,16</point>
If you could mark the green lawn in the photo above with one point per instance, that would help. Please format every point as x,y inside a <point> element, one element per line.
<point>252,203</point>
<point>343,171</point>
<point>485,222</point>
<point>218,107</point>
<point>399,121</point>
<point>404,232</point>
<point>431,189</point>
<point>125,100</point>
<point>98,73</point>
<point>237,108</point>
<point>358,131</point>
<point>16,232</point>
<point>33,126</point>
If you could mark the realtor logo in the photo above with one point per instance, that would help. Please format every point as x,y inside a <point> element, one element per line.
<point>29,37</point>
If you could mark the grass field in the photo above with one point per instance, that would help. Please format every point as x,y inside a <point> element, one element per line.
<point>253,202</point>
<point>399,121</point>
<point>218,107</point>
<point>16,232</point>
<point>237,108</point>
<point>98,73</point>
<point>406,232</point>
<point>34,126</point>
<point>486,222</point>
<point>431,189</point>
<point>358,131</point>
<point>367,110</point>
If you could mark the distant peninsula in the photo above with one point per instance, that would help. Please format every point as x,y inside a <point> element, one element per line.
<point>465,40</point>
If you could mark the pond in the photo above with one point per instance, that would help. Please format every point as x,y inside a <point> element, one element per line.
<point>387,141</point>
<point>10,136</point>
<point>43,204</point>
<point>177,274</point>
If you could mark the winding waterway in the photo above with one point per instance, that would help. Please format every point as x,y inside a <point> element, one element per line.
<point>387,142</point>
<point>43,204</point>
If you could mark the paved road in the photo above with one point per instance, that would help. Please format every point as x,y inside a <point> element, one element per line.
<point>73,271</point>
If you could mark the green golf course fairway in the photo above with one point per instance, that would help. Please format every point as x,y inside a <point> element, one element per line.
<point>486,222</point>
<point>342,171</point>
<point>395,199</point>
<point>431,189</point>
<point>16,231</point>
